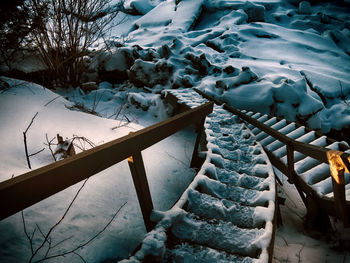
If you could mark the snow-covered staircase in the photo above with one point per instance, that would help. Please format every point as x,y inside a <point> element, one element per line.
<point>312,177</point>
<point>316,180</point>
<point>315,173</point>
<point>227,214</point>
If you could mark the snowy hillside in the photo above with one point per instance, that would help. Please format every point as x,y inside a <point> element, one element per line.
<point>283,57</point>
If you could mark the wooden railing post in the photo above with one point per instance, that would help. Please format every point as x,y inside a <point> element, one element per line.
<point>139,177</point>
<point>195,158</point>
<point>290,161</point>
<point>337,168</point>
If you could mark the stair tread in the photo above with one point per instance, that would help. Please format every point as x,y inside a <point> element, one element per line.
<point>218,235</point>
<point>186,252</point>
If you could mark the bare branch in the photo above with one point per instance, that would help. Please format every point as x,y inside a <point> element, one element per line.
<point>25,140</point>
<point>75,253</point>
<point>31,122</point>
<point>52,100</point>
<point>49,144</point>
<point>62,241</point>
<point>36,152</point>
<point>84,139</point>
<point>57,223</point>
<point>26,232</point>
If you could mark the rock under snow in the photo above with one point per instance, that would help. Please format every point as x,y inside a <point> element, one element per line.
<point>145,73</point>
<point>304,8</point>
<point>138,7</point>
<point>255,12</point>
<point>114,67</point>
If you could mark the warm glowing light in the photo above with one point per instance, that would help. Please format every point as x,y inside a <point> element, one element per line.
<point>337,166</point>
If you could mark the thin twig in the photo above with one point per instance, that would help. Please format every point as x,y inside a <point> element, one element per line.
<point>299,254</point>
<point>84,139</point>
<point>95,103</point>
<point>26,232</point>
<point>75,253</point>
<point>52,100</point>
<point>176,159</point>
<point>41,232</point>
<point>62,241</point>
<point>25,140</point>
<point>36,152</point>
<point>121,125</point>
<point>48,248</point>
<point>49,144</point>
<point>285,241</point>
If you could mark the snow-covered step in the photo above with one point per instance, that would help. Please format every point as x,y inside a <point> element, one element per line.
<point>256,115</point>
<point>219,235</point>
<point>306,138</point>
<point>210,207</point>
<point>247,181</point>
<point>282,151</point>
<point>316,174</point>
<point>261,118</point>
<point>325,187</point>
<point>319,171</point>
<point>262,135</point>
<point>242,195</point>
<point>275,144</point>
<point>277,126</point>
<point>307,163</point>
<point>186,252</point>
<point>288,128</point>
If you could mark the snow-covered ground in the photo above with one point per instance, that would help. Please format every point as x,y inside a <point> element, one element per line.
<point>286,58</point>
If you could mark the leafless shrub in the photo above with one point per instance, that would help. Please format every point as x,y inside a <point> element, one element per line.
<point>66,30</point>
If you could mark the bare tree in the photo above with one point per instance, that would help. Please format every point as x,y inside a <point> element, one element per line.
<point>66,29</point>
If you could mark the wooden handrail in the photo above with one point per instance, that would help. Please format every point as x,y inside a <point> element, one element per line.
<point>27,189</point>
<point>319,153</point>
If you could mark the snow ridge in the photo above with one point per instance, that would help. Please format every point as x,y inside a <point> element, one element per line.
<point>226,214</point>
